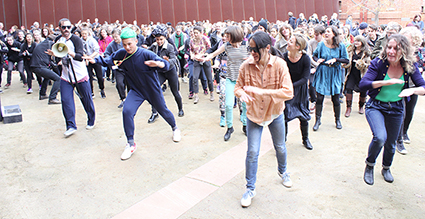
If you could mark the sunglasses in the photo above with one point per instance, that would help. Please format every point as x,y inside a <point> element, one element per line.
<point>253,49</point>
<point>66,27</point>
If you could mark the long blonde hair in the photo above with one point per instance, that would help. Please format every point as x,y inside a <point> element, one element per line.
<point>407,59</point>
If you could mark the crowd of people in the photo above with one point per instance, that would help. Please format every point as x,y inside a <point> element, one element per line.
<point>274,71</point>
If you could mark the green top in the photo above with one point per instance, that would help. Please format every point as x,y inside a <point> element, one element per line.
<point>390,93</point>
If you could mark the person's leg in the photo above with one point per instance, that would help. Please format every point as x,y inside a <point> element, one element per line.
<point>10,65</point>
<point>254,132</point>
<point>173,83</point>
<point>304,134</point>
<point>68,105</point>
<point>87,101</point>
<point>311,89</point>
<point>190,65</point>
<point>410,108</point>
<point>319,107</point>
<point>393,121</point>
<point>130,107</point>
<point>48,74</point>
<point>230,101</point>
<point>376,121</point>
<point>120,84</point>
<point>98,71</point>
<point>337,110</point>
<point>196,73</point>
<point>158,102</point>
<point>349,101</point>
<point>362,101</point>
<point>277,131</point>
<point>29,74</point>
<point>90,71</point>
<point>20,67</point>
<point>207,69</point>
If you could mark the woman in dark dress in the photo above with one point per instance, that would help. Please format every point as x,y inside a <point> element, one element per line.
<point>359,54</point>
<point>299,68</point>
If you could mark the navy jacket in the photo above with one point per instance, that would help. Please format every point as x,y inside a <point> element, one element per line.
<point>378,69</point>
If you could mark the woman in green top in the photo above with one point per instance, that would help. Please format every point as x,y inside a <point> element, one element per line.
<point>385,79</point>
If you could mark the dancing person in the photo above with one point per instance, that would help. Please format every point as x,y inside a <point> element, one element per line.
<point>91,48</point>
<point>41,65</point>
<point>27,49</point>
<point>198,46</point>
<point>166,51</point>
<point>121,83</point>
<point>263,84</point>
<point>299,68</point>
<point>359,56</point>
<point>74,75</point>
<point>14,47</point>
<point>329,55</point>
<point>319,30</point>
<point>236,50</point>
<point>140,66</point>
<point>415,38</point>
<point>385,79</point>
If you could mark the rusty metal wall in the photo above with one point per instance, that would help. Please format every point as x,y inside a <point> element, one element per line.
<point>25,12</point>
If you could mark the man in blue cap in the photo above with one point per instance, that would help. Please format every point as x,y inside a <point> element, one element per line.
<point>140,67</point>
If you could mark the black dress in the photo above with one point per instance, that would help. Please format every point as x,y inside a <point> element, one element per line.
<point>354,77</point>
<point>298,106</point>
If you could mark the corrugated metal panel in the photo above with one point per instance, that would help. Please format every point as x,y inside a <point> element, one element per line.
<point>50,11</point>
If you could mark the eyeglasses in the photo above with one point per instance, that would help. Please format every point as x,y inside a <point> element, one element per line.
<point>66,27</point>
<point>253,49</point>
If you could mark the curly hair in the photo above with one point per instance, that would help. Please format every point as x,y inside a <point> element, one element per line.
<point>407,59</point>
<point>415,35</point>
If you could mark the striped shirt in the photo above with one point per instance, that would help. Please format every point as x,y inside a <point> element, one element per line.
<point>235,57</point>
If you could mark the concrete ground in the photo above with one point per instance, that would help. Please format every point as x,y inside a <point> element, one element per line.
<point>44,175</point>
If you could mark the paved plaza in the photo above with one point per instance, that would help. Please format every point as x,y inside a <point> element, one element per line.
<point>44,175</point>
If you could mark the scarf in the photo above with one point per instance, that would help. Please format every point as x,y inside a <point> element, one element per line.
<point>179,41</point>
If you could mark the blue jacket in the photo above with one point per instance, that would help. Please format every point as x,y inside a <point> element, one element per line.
<point>378,69</point>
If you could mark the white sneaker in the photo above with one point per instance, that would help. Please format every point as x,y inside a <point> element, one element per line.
<point>90,127</point>
<point>286,180</point>
<point>246,198</point>
<point>177,135</point>
<point>128,151</point>
<point>69,132</point>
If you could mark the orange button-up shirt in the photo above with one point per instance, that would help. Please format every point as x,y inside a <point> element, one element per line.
<point>275,78</point>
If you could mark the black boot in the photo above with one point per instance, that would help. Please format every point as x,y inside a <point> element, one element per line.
<point>368,175</point>
<point>228,133</point>
<point>319,108</point>
<point>337,113</point>
<point>304,133</point>
<point>244,129</point>
<point>387,175</point>
<point>153,117</point>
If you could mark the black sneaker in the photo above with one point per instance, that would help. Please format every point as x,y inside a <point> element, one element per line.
<point>406,139</point>
<point>102,94</point>
<point>400,148</point>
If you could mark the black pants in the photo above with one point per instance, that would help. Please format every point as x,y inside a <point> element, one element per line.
<point>121,83</point>
<point>182,62</point>
<point>47,75</point>
<point>98,72</point>
<point>409,108</point>
<point>173,83</point>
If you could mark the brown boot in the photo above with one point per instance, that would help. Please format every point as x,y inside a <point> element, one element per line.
<point>349,100</point>
<point>362,101</point>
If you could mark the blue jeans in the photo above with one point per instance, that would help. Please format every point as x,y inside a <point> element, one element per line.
<point>385,119</point>
<point>254,131</point>
<point>230,102</point>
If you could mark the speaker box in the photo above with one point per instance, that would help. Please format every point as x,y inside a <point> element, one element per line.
<point>11,114</point>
